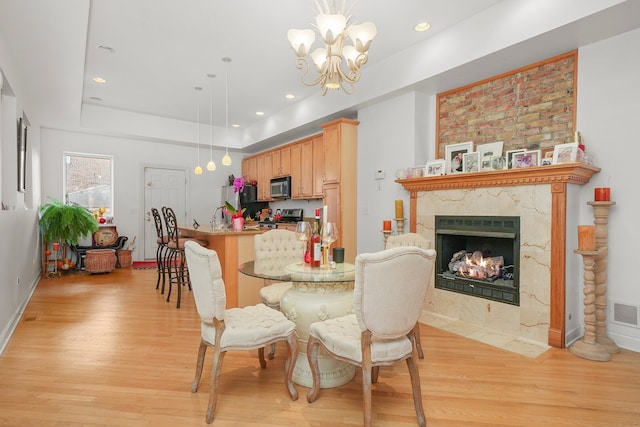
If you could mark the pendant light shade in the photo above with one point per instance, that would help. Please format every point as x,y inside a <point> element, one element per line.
<point>211,166</point>
<point>226,160</point>
<point>198,169</point>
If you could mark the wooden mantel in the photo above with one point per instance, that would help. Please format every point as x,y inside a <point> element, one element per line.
<point>557,176</point>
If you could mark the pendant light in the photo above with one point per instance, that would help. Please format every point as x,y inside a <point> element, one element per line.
<point>198,169</point>
<point>211,166</point>
<point>226,160</point>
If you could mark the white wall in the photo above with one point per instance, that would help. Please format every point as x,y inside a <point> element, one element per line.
<point>129,159</point>
<point>608,113</point>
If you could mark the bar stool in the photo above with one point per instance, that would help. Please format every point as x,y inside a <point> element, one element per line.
<point>162,251</point>
<point>175,259</point>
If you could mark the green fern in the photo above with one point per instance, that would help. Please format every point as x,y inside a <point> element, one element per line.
<point>65,223</point>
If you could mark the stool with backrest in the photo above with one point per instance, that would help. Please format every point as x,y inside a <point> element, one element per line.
<point>411,239</point>
<point>273,250</point>
<point>162,250</point>
<point>246,328</point>
<point>178,273</point>
<point>388,295</point>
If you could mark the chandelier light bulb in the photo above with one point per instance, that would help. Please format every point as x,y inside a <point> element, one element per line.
<point>198,170</point>
<point>226,160</point>
<point>211,166</point>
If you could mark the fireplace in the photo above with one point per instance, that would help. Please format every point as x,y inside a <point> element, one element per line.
<point>479,256</point>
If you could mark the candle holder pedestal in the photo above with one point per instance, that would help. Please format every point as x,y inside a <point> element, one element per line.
<point>601,214</point>
<point>386,233</point>
<point>400,225</point>
<point>587,347</point>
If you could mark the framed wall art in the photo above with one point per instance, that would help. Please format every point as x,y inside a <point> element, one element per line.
<point>487,152</point>
<point>471,162</point>
<point>453,156</point>
<point>565,153</point>
<point>526,159</point>
<point>435,167</point>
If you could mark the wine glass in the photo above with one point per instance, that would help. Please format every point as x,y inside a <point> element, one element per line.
<point>303,233</point>
<point>329,235</point>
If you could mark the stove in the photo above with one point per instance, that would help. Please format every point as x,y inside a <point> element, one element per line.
<point>289,216</point>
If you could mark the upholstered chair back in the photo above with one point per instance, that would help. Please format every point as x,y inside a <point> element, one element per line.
<point>206,281</point>
<point>390,288</point>
<point>408,239</point>
<point>275,249</point>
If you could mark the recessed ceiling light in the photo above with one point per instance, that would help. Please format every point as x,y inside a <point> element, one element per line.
<point>289,96</point>
<point>259,113</point>
<point>99,80</point>
<point>235,125</point>
<point>422,26</point>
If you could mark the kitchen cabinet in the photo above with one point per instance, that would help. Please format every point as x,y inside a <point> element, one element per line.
<point>302,178</point>
<point>281,161</point>
<point>317,166</point>
<point>249,169</point>
<point>340,138</point>
<point>263,166</point>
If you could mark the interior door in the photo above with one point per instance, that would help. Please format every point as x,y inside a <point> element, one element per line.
<point>163,187</point>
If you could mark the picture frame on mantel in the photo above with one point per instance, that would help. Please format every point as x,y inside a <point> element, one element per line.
<point>471,162</point>
<point>565,153</point>
<point>453,156</point>
<point>487,152</point>
<point>435,167</point>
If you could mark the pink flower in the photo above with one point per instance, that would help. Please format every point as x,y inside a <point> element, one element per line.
<point>238,184</point>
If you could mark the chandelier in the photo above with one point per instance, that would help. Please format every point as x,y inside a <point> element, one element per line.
<point>338,64</point>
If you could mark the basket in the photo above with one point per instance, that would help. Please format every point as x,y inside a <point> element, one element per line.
<point>100,260</point>
<point>124,258</point>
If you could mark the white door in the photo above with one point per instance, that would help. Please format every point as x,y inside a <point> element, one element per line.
<point>163,187</point>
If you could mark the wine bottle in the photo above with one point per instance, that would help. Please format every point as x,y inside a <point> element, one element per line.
<point>315,242</point>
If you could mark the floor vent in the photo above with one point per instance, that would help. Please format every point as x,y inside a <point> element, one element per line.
<point>626,314</point>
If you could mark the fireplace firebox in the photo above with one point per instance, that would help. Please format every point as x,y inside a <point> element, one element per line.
<point>479,256</point>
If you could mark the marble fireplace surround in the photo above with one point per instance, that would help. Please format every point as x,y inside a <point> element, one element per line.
<point>538,195</point>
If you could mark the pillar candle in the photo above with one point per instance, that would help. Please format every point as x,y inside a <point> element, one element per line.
<point>386,225</point>
<point>399,209</point>
<point>602,194</point>
<point>587,237</point>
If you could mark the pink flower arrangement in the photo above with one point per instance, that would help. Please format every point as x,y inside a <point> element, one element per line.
<point>238,186</point>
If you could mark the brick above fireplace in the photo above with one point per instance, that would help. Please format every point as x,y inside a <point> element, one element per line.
<point>538,195</point>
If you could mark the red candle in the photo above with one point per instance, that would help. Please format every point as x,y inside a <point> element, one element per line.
<point>587,237</point>
<point>386,225</point>
<point>602,194</point>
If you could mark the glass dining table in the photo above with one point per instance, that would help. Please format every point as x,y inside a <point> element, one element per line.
<point>316,294</point>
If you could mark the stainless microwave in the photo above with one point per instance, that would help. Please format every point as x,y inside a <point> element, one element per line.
<point>281,188</point>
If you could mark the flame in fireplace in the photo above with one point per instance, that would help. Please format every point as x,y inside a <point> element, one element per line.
<point>476,266</point>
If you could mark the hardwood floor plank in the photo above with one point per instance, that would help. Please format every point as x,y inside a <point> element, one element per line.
<point>108,350</point>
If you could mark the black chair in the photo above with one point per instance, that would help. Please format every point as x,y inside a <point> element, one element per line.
<point>162,251</point>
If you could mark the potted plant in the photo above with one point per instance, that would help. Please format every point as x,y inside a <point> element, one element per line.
<point>62,223</point>
<point>237,215</point>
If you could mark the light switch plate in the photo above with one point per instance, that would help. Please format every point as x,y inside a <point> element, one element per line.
<point>379,174</point>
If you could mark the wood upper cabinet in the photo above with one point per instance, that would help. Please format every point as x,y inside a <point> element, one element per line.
<point>249,169</point>
<point>331,147</point>
<point>318,165</point>
<point>281,159</point>
<point>301,170</point>
<point>263,166</point>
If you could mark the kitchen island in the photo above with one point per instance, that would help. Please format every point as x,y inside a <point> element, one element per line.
<point>233,248</point>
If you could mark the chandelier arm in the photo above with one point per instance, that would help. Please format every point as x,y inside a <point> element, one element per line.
<point>303,64</point>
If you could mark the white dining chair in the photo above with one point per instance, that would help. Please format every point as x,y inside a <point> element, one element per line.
<point>246,328</point>
<point>388,295</point>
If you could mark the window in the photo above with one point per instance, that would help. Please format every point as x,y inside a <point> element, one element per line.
<point>88,182</point>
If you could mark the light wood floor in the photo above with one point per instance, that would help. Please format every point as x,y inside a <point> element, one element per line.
<point>107,350</point>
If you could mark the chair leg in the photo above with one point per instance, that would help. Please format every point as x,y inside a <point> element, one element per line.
<point>292,344</point>
<point>171,259</point>
<point>202,351</point>
<point>216,369</point>
<point>272,351</point>
<point>417,392</point>
<point>366,393</point>
<point>416,340</point>
<point>263,363</point>
<point>374,374</point>
<point>312,356</point>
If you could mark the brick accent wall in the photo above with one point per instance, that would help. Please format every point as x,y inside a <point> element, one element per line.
<point>532,107</point>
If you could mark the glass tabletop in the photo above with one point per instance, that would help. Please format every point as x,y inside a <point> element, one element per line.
<point>297,272</point>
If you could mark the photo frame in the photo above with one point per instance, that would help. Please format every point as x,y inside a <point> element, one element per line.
<point>435,167</point>
<point>526,159</point>
<point>565,153</point>
<point>22,155</point>
<point>509,156</point>
<point>546,158</point>
<point>453,156</point>
<point>471,162</point>
<point>487,152</point>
